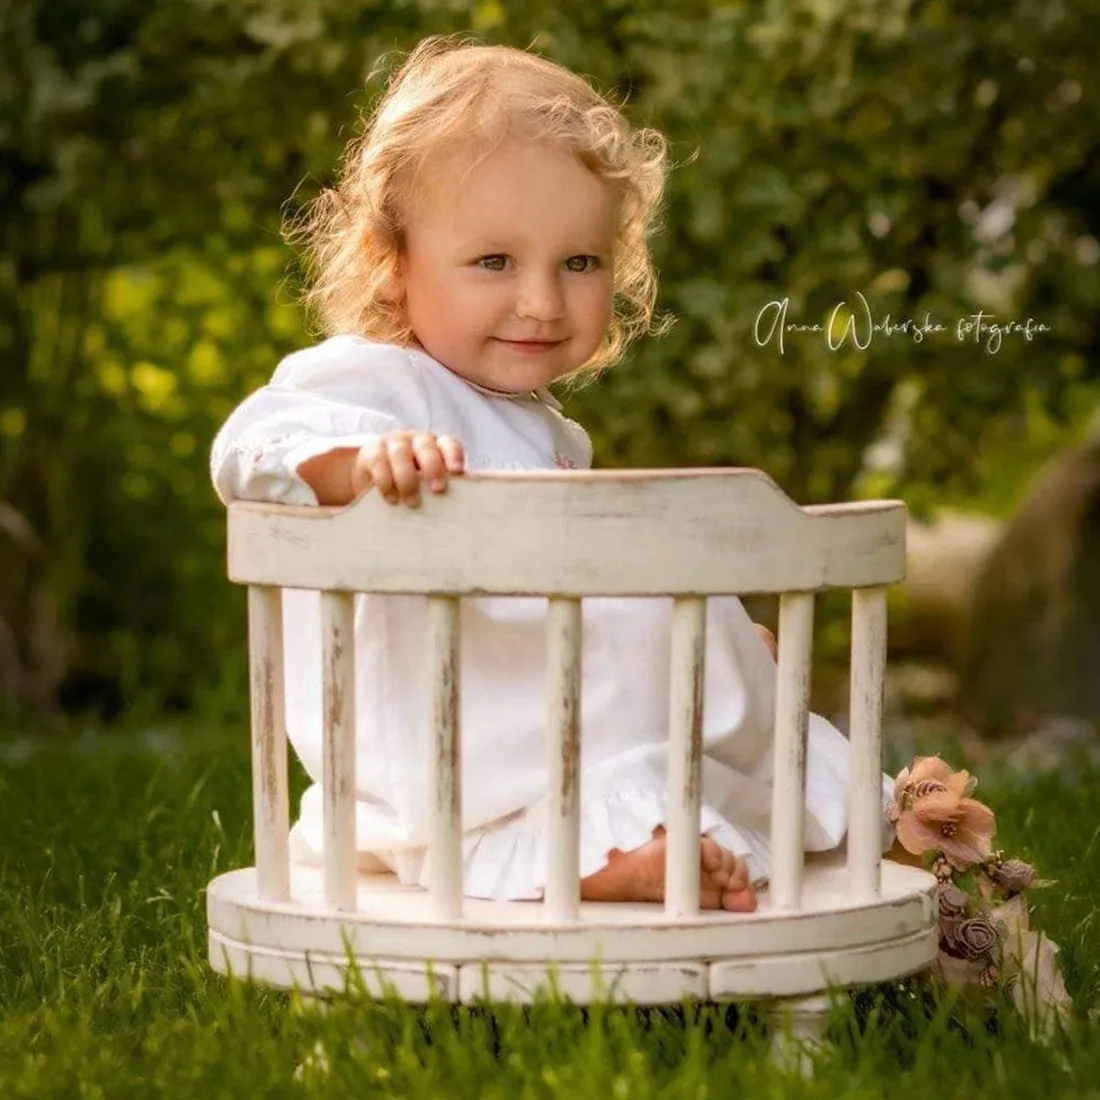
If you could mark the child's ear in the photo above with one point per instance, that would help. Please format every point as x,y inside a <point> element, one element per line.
<point>393,286</point>
<point>388,254</point>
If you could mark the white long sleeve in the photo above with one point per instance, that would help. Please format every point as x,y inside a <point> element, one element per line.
<point>343,393</point>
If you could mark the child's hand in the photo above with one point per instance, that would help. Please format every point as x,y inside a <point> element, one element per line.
<point>396,464</point>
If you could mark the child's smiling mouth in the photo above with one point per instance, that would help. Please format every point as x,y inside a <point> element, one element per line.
<point>530,347</point>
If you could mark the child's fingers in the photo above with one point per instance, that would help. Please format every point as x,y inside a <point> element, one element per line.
<point>362,473</point>
<point>453,454</point>
<point>406,477</point>
<point>430,461</point>
<point>372,470</point>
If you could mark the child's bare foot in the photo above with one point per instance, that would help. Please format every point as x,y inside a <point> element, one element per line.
<point>639,875</point>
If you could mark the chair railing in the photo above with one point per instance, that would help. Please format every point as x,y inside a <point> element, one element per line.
<point>751,539</point>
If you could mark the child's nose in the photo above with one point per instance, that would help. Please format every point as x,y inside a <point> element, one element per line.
<point>540,299</point>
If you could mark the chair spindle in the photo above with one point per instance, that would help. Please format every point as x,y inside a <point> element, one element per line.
<point>445,779</point>
<point>796,619</point>
<point>563,679</point>
<point>270,811</point>
<point>865,780</point>
<point>685,756</point>
<point>338,748</point>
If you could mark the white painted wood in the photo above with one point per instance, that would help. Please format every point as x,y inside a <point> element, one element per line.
<point>338,748</point>
<point>563,734</point>
<point>323,974</point>
<point>681,532</point>
<point>784,975</point>
<point>795,973</point>
<point>796,622</point>
<point>865,826</point>
<point>666,982</point>
<point>270,814</point>
<point>444,868</point>
<point>824,921</point>
<point>797,1031</point>
<point>685,756</point>
<point>397,921</point>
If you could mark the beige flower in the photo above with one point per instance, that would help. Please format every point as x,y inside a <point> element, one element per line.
<point>936,814</point>
<point>927,772</point>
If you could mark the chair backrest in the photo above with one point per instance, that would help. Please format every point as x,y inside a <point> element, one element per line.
<point>685,534</point>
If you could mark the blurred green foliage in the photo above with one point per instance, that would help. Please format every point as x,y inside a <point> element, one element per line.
<point>939,159</point>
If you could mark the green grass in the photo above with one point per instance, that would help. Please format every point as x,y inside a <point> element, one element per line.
<point>105,849</point>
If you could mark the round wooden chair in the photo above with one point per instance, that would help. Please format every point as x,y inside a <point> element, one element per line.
<point>823,923</point>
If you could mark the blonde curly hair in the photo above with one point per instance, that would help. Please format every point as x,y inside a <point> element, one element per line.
<point>449,93</point>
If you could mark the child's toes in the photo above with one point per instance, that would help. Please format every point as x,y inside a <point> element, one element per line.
<point>738,871</point>
<point>711,855</point>
<point>719,880</point>
<point>739,901</point>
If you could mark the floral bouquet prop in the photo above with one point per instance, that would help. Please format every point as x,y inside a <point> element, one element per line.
<point>985,936</point>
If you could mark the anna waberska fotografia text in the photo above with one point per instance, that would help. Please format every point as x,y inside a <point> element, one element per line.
<point>854,323</point>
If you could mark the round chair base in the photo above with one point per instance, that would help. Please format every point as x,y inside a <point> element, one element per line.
<point>509,951</point>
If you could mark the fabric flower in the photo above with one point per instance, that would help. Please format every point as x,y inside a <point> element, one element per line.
<point>1012,875</point>
<point>953,905</point>
<point>953,901</point>
<point>926,773</point>
<point>976,938</point>
<point>936,814</point>
<point>984,936</point>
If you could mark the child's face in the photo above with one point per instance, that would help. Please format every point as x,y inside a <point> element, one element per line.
<point>507,270</point>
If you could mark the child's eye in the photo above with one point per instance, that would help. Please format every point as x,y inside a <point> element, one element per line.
<point>493,263</point>
<point>581,264</point>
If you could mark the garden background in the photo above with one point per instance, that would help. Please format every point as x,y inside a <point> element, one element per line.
<point>938,159</point>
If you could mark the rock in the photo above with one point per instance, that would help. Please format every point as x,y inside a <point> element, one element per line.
<point>943,561</point>
<point>1031,649</point>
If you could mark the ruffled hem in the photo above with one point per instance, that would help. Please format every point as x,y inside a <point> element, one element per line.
<point>508,860</point>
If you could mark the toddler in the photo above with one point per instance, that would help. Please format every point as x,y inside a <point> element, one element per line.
<point>487,238</point>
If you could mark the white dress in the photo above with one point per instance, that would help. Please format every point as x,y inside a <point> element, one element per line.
<point>346,391</point>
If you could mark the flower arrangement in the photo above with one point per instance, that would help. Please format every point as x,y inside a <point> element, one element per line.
<point>985,935</point>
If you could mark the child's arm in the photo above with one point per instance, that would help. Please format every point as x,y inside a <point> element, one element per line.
<point>342,395</point>
<point>395,464</point>
<point>329,475</point>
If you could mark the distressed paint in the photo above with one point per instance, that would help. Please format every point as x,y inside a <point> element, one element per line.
<point>736,533</point>
<point>685,756</point>
<point>395,921</point>
<point>338,748</point>
<point>667,982</point>
<point>270,813</point>
<point>563,739</point>
<point>779,974</point>
<point>865,828</point>
<point>792,709</point>
<point>444,868</point>
<point>572,535</point>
